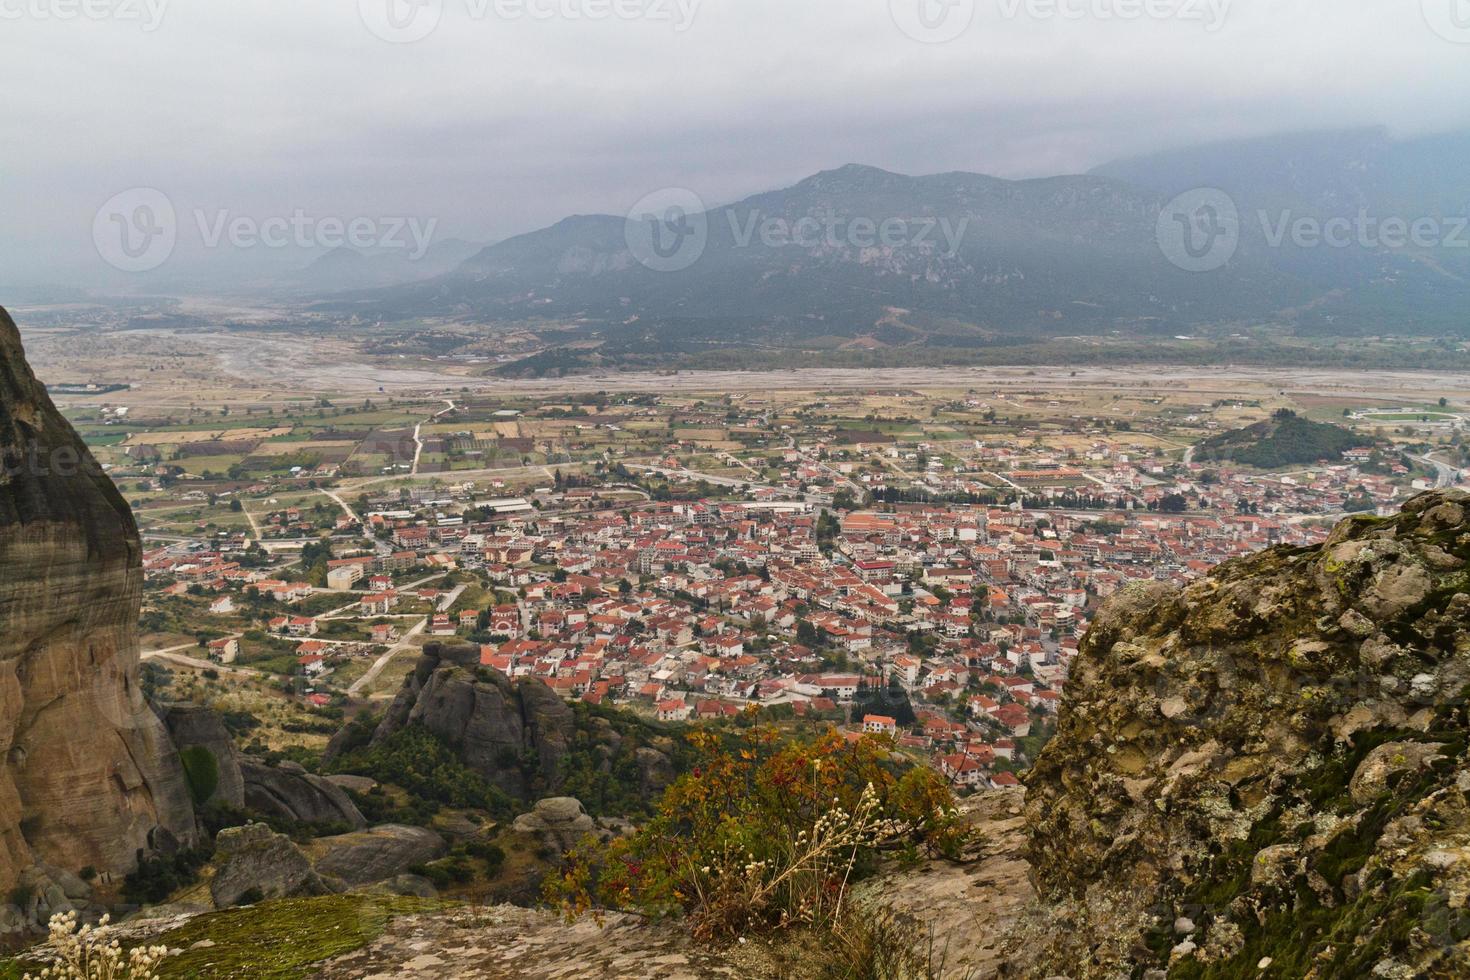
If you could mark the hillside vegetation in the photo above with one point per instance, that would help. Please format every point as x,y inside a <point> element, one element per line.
<point>1285,439</point>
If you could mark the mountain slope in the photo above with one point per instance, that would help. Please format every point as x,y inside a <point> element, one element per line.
<point>973,261</point>
<point>1056,256</point>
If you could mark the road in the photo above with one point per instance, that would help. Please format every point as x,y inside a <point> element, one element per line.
<point>382,662</point>
<point>418,438</point>
<point>172,656</point>
<point>544,470</point>
<point>381,547</point>
<point>1445,474</point>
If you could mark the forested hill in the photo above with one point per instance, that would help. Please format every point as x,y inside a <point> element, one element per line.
<point>1285,439</point>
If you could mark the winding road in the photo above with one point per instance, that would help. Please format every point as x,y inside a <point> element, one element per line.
<point>418,437</point>
<point>1445,474</point>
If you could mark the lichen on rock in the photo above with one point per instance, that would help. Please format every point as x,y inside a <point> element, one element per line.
<point>1276,752</point>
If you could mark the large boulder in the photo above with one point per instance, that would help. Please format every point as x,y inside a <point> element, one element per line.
<point>377,854</point>
<point>561,824</point>
<point>254,862</point>
<point>88,775</point>
<point>289,792</point>
<point>1278,753</point>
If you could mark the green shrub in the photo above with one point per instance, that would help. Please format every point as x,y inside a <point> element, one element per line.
<point>157,878</point>
<point>425,766</point>
<point>201,773</point>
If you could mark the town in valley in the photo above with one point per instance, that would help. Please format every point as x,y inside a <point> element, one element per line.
<point>915,559</point>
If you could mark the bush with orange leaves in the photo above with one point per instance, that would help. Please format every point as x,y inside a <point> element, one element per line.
<point>766,832</point>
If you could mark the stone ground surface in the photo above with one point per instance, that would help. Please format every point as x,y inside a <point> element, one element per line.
<point>967,908</point>
<point>509,943</point>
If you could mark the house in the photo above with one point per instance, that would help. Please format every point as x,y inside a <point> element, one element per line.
<point>906,669</point>
<point>961,769</point>
<point>1015,718</point>
<point>384,633</point>
<point>224,651</point>
<point>879,725</point>
<point>312,664</point>
<point>293,625</point>
<point>222,606</point>
<point>344,577</point>
<point>673,710</point>
<point>379,604</point>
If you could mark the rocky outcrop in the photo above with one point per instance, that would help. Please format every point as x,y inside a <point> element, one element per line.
<point>289,792</point>
<point>1268,765</point>
<point>283,792</point>
<point>561,823</point>
<point>253,863</point>
<point>514,733</point>
<point>195,726</point>
<point>88,776</point>
<point>377,854</point>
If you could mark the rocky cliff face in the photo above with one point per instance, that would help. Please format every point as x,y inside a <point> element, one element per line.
<point>515,734</point>
<point>1264,773</point>
<point>87,774</point>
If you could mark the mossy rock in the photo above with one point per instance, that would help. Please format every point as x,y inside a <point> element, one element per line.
<point>281,940</point>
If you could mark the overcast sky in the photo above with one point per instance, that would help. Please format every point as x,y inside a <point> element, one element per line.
<point>510,114</point>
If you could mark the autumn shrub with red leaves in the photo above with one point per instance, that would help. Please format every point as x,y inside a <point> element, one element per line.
<point>767,832</point>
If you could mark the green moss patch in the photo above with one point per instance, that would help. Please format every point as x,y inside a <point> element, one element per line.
<point>281,940</point>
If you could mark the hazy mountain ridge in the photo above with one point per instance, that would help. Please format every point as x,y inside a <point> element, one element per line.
<point>1016,259</point>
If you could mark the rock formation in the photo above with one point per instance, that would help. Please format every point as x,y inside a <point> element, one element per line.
<point>254,863</point>
<point>289,792</point>
<point>379,854</point>
<point>561,823</point>
<point>196,726</point>
<point>283,792</point>
<point>1268,765</point>
<point>514,733</point>
<point>88,776</point>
